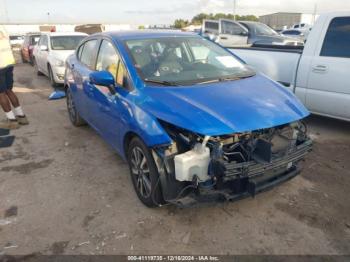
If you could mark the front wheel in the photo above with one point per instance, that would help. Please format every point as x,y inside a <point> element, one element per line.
<point>144,173</point>
<point>51,77</point>
<point>74,116</point>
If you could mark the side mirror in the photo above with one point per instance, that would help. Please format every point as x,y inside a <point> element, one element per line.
<point>43,48</point>
<point>103,78</point>
<point>244,33</point>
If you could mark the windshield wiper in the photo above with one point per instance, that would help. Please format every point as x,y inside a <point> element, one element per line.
<point>222,79</point>
<point>164,83</point>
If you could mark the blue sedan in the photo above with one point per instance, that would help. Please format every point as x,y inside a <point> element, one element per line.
<point>192,120</point>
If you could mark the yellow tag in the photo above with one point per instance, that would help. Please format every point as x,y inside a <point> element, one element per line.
<point>6,56</point>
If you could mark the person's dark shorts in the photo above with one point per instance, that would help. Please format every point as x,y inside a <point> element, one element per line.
<point>6,79</point>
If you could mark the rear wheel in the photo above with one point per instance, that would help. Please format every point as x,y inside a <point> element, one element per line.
<point>74,116</point>
<point>36,68</point>
<point>144,173</point>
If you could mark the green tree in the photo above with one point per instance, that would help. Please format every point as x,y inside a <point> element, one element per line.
<point>180,23</point>
<point>141,27</point>
<point>198,19</point>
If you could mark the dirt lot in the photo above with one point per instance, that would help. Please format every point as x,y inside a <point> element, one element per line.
<point>64,191</point>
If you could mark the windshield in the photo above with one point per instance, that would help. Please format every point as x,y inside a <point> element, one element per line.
<point>260,29</point>
<point>184,60</point>
<point>65,42</point>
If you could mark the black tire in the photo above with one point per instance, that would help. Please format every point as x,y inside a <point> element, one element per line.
<point>144,173</point>
<point>36,68</point>
<point>51,77</point>
<point>74,116</point>
<point>31,60</point>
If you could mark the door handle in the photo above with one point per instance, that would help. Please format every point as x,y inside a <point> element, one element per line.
<point>223,37</point>
<point>320,69</point>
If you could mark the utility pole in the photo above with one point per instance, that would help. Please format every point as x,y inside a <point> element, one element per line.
<point>314,14</point>
<point>234,10</point>
<point>5,12</point>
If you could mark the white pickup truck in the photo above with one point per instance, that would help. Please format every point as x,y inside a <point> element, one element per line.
<point>320,73</point>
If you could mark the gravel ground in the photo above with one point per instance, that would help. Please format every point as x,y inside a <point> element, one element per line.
<point>64,191</point>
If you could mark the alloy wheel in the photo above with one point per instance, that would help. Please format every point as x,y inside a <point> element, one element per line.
<point>141,172</point>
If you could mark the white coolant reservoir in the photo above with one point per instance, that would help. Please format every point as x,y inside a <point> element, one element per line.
<point>193,162</point>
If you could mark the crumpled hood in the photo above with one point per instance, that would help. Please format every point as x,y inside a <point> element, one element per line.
<point>226,107</point>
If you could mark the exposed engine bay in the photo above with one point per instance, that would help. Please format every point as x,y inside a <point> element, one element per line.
<point>202,168</point>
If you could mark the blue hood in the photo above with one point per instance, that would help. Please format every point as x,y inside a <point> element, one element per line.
<point>225,107</point>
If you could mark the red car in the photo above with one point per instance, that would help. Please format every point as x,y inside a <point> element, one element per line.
<point>30,40</point>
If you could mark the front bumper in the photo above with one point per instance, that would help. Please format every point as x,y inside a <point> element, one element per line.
<point>249,178</point>
<point>58,73</point>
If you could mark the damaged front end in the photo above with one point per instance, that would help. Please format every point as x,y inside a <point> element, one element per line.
<point>196,168</point>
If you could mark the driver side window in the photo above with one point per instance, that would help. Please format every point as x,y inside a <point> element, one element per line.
<point>108,60</point>
<point>231,28</point>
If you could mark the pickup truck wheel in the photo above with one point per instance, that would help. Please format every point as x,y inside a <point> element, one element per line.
<point>51,77</point>
<point>144,173</point>
<point>36,68</point>
<point>74,116</point>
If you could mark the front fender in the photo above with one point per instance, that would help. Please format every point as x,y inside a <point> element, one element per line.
<point>143,124</point>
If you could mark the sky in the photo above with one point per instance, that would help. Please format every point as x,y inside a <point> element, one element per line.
<point>137,12</point>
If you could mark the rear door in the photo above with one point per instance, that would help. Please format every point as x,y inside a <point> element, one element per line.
<point>232,34</point>
<point>328,91</point>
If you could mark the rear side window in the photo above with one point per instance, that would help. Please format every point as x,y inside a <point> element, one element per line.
<point>337,39</point>
<point>211,27</point>
<point>230,28</point>
<point>34,39</point>
<point>88,53</point>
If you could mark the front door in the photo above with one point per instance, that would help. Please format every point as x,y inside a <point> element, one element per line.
<point>86,57</point>
<point>232,34</point>
<point>328,91</point>
<point>108,116</point>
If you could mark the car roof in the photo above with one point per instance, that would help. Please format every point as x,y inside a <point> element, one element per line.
<point>64,33</point>
<point>249,22</point>
<point>144,34</point>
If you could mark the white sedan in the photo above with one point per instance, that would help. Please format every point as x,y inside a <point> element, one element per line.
<point>51,51</point>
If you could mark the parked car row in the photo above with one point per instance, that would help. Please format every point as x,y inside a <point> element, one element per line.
<point>30,40</point>
<point>48,52</point>
<point>51,52</point>
<point>229,33</point>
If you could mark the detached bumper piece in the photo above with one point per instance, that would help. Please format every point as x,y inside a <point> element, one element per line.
<point>241,180</point>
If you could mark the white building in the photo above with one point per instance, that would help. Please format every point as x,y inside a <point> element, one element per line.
<point>284,20</point>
